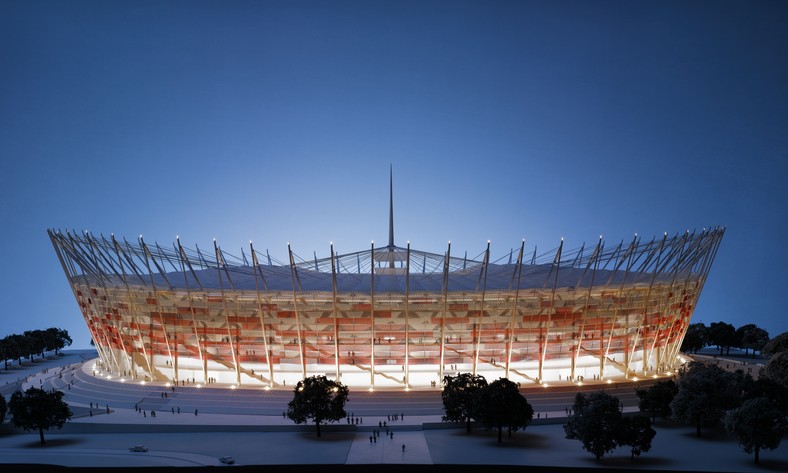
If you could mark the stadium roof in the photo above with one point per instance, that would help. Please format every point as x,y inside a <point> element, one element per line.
<point>390,268</point>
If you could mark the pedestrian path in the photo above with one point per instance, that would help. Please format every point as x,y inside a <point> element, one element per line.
<point>385,449</point>
<point>227,425</point>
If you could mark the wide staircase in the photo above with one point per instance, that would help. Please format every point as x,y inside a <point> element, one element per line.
<point>83,387</point>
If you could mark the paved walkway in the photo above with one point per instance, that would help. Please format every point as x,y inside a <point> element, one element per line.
<point>387,449</point>
<point>268,439</point>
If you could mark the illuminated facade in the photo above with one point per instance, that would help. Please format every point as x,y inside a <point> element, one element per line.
<point>388,316</point>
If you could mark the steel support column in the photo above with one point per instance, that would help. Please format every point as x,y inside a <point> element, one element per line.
<point>372,315</point>
<point>510,338</point>
<point>481,310</point>
<point>334,311</point>
<point>295,309</point>
<point>443,310</point>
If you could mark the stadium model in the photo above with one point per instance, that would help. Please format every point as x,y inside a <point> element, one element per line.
<point>390,316</point>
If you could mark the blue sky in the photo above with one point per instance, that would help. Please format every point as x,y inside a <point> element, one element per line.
<point>278,121</point>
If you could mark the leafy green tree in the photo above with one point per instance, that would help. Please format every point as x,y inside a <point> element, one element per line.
<point>595,421</point>
<point>705,392</point>
<point>459,397</point>
<point>655,400</point>
<point>752,337</point>
<point>500,405</point>
<point>319,399</point>
<point>723,335</point>
<point>636,433</point>
<point>757,424</point>
<point>37,409</point>
<point>696,338</point>
<point>776,345</point>
<point>777,369</point>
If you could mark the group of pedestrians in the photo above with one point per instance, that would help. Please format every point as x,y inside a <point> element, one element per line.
<point>138,408</point>
<point>97,407</point>
<point>376,433</point>
<point>400,416</point>
<point>353,420</point>
<point>373,439</point>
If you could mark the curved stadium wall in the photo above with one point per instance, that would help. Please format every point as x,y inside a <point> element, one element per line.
<point>390,316</point>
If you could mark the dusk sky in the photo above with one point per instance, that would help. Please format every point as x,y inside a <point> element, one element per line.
<point>277,121</point>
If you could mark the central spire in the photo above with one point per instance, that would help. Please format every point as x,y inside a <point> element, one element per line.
<point>391,206</point>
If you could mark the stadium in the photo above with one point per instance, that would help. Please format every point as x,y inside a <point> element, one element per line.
<point>389,316</point>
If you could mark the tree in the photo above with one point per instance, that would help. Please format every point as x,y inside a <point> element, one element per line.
<point>459,397</point>
<point>751,337</point>
<point>765,387</point>
<point>37,409</point>
<point>56,339</point>
<point>3,408</point>
<point>705,392</point>
<point>756,424</point>
<point>7,350</point>
<point>636,432</point>
<point>20,346</point>
<point>500,405</point>
<point>595,421</point>
<point>777,369</point>
<point>317,398</point>
<point>723,335</point>
<point>776,345</point>
<point>656,400</point>
<point>696,337</point>
<point>37,341</point>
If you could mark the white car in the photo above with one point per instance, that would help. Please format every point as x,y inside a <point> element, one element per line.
<point>139,448</point>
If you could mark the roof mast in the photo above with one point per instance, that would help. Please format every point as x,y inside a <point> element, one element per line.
<point>391,206</point>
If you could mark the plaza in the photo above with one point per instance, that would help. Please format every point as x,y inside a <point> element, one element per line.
<point>247,425</point>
